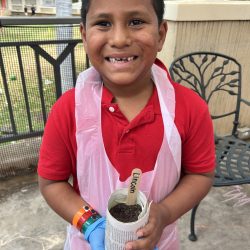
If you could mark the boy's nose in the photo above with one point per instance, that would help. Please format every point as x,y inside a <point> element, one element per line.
<point>120,37</point>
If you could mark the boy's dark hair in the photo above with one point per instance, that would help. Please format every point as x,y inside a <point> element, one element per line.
<point>157,4</point>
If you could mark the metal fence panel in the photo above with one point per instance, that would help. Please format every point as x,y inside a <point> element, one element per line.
<point>37,64</point>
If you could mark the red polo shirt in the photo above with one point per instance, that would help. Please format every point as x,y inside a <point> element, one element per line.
<point>129,145</point>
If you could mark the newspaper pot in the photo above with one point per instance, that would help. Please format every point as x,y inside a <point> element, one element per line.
<point>118,233</point>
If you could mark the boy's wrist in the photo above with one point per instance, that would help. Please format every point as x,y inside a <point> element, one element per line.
<point>85,217</point>
<point>91,220</point>
<point>165,213</point>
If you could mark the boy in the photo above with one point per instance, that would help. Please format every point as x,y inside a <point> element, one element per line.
<point>125,113</point>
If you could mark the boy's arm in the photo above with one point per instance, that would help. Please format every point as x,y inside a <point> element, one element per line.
<point>61,197</point>
<point>191,189</point>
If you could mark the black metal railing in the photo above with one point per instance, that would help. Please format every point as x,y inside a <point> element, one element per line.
<point>39,59</point>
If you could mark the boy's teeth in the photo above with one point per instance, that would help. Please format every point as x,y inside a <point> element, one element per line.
<point>124,59</point>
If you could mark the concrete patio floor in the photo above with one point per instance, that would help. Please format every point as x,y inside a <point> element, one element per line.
<point>27,223</point>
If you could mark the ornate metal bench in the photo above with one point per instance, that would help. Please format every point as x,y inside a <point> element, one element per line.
<point>216,77</point>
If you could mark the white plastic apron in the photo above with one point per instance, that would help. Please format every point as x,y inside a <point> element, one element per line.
<point>97,178</point>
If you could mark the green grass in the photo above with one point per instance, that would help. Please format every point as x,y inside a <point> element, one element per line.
<point>35,33</point>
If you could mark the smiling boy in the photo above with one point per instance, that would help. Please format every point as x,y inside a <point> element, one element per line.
<point>125,113</point>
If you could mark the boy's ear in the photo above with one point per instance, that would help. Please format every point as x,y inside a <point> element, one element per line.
<point>163,29</point>
<point>83,35</point>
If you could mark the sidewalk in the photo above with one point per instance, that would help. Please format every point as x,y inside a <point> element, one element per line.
<point>27,223</point>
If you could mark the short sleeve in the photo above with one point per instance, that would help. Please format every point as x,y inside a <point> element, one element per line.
<point>195,127</point>
<point>58,149</point>
<point>198,148</point>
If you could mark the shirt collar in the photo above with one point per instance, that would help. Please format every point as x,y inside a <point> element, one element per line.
<point>107,98</point>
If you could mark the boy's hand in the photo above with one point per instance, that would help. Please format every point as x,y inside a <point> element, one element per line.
<point>151,233</point>
<point>95,234</point>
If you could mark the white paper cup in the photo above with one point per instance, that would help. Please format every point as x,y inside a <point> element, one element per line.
<point>118,233</point>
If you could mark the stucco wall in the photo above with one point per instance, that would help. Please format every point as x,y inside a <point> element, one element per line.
<point>219,26</point>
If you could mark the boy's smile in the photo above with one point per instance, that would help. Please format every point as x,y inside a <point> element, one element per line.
<point>122,39</point>
<point>121,59</point>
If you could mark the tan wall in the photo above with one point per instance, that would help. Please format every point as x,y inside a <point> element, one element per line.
<point>230,37</point>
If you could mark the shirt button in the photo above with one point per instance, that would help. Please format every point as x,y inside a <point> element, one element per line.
<point>111,109</point>
<point>127,131</point>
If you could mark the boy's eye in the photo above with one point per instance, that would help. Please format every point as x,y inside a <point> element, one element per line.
<point>135,22</point>
<point>103,24</point>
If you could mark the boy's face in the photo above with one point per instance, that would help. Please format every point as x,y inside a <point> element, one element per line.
<point>122,39</point>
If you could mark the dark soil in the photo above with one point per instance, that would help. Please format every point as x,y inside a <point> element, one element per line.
<point>126,213</point>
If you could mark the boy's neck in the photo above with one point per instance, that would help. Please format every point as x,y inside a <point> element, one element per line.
<point>130,91</point>
<point>131,100</point>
